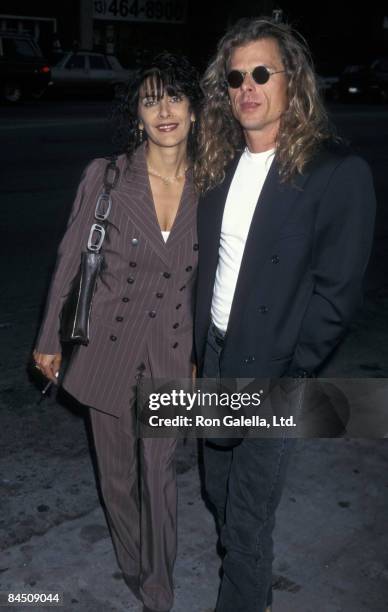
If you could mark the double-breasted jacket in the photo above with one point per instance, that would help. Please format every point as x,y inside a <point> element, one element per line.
<point>301,275</point>
<point>142,313</point>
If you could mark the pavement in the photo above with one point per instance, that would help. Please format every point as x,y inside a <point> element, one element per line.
<point>330,554</point>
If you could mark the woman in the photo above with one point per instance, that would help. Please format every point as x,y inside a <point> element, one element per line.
<point>141,315</point>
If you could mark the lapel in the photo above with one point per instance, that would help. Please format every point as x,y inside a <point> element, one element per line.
<point>274,205</point>
<point>135,195</point>
<point>186,215</point>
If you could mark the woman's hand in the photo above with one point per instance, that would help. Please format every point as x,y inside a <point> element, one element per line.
<point>48,364</point>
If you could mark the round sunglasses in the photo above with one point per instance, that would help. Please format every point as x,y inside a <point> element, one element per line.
<point>260,74</point>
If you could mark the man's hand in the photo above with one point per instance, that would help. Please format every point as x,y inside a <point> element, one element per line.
<point>48,364</point>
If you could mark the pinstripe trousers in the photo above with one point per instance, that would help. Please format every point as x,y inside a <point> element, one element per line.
<point>138,484</point>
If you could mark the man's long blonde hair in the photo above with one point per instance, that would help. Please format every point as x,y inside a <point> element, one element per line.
<point>303,126</point>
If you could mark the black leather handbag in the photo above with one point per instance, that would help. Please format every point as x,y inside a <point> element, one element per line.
<point>76,311</point>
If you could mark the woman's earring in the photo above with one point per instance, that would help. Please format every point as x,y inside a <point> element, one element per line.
<point>139,134</point>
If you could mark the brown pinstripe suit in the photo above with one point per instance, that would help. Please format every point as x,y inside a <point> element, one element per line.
<point>141,322</point>
<point>130,321</point>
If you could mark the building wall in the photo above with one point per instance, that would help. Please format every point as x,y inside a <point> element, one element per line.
<point>334,30</point>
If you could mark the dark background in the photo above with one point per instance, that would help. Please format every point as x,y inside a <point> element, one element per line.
<point>338,32</point>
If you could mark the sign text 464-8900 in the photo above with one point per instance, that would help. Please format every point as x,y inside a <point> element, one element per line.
<point>167,11</point>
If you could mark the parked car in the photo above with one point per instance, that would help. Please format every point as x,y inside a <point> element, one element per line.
<point>368,82</point>
<point>23,70</point>
<point>87,71</point>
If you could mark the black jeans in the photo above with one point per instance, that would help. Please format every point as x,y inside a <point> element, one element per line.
<point>244,484</point>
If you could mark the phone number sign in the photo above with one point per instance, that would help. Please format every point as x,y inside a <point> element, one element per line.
<point>166,11</point>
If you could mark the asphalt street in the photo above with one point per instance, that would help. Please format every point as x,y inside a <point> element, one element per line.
<point>331,535</point>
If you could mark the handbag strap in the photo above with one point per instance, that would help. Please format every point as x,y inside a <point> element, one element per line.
<point>103,206</point>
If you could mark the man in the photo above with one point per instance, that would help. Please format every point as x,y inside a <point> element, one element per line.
<point>284,238</point>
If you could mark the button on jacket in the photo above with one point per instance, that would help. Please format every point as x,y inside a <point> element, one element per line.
<point>131,323</point>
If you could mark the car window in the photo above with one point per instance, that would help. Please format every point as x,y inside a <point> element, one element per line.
<point>353,68</point>
<point>114,62</point>
<point>14,48</point>
<point>75,62</point>
<point>98,62</point>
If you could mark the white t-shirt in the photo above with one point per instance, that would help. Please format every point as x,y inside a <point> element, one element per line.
<point>240,205</point>
<point>165,234</point>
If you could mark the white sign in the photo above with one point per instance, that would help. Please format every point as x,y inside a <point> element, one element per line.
<point>161,11</point>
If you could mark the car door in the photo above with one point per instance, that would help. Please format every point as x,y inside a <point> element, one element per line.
<point>100,72</point>
<point>73,72</point>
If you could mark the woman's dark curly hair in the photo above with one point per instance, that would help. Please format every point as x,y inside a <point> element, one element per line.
<point>165,71</point>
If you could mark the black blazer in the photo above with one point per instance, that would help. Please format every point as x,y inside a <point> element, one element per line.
<point>301,274</point>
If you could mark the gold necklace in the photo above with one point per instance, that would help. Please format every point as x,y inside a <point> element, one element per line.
<point>166,179</point>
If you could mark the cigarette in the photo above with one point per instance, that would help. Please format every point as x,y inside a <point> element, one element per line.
<point>48,386</point>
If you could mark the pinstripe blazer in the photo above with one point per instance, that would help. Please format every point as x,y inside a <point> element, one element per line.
<point>142,311</point>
